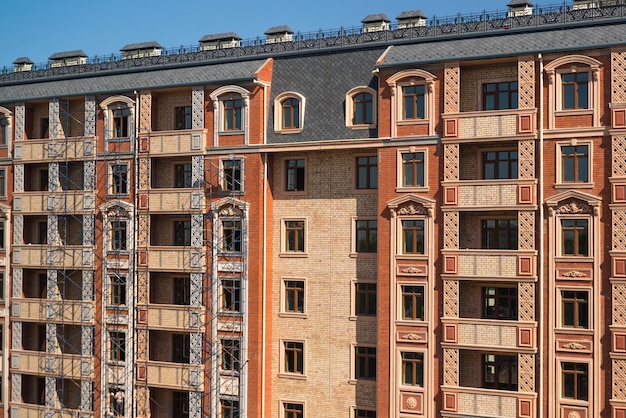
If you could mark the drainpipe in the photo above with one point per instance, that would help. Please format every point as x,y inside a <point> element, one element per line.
<point>541,240</point>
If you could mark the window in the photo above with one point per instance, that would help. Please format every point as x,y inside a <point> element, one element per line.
<point>231,295</point>
<point>574,164</point>
<point>180,348</point>
<point>1,299</point>
<point>231,236</point>
<point>232,179</point>
<point>414,103</point>
<point>119,178</point>
<point>364,413</point>
<point>413,236</point>
<point>182,290</point>
<point>412,303</point>
<point>575,380</point>
<point>500,372</point>
<point>2,236</point>
<point>500,303</point>
<point>293,353</point>
<point>499,234</point>
<point>500,164</point>
<point>293,410</point>
<point>413,169</point>
<point>413,369</point>
<point>182,233</point>
<point>365,363</point>
<point>499,96</point>
<point>182,175</point>
<point>117,401</point>
<point>118,236</point>
<point>294,236</point>
<point>365,299</point>
<point>294,175</point>
<point>4,131</point>
<point>117,345</point>
<point>294,296</point>
<point>44,127</point>
<point>575,234</point>
<point>120,123</point>
<point>232,109</point>
<point>367,172</point>
<point>182,117</point>
<point>230,408</point>
<point>575,89</point>
<point>575,309</point>
<point>118,290</point>
<point>231,355</point>
<point>290,113</point>
<point>3,182</point>
<point>366,236</point>
<point>180,404</point>
<point>362,108</point>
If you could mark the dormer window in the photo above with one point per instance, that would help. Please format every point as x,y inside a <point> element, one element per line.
<point>361,108</point>
<point>230,107</point>
<point>289,112</point>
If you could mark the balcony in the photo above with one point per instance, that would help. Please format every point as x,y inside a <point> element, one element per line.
<point>62,311</point>
<point>37,411</point>
<point>468,402</point>
<point>174,142</point>
<point>77,148</point>
<point>483,264</point>
<point>490,194</point>
<point>68,257</point>
<point>62,201</point>
<point>485,333</point>
<point>489,124</point>
<point>175,200</point>
<point>175,258</point>
<point>175,317</point>
<point>61,365</point>
<point>175,376</point>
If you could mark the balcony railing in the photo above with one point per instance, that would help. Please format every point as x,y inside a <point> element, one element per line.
<point>61,201</point>
<point>172,142</point>
<point>175,200</point>
<point>62,311</point>
<point>497,194</point>
<point>67,365</point>
<point>175,258</point>
<point>76,148</point>
<point>68,257</point>
<point>175,376</point>
<point>479,402</point>
<point>36,411</point>
<point>481,333</point>
<point>490,263</point>
<point>175,317</point>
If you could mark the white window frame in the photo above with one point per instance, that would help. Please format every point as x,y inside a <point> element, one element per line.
<point>283,238</point>
<point>350,95</point>
<point>230,92</point>
<point>400,187</point>
<point>559,183</point>
<point>283,298</point>
<point>278,112</point>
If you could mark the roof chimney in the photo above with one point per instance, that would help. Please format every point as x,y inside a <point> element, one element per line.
<point>277,34</point>
<point>375,23</point>
<point>220,41</point>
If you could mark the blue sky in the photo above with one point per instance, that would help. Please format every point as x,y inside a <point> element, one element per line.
<point>39,28</point>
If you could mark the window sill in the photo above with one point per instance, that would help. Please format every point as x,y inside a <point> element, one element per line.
<point>361,127</point>
<point>294,255</point>
<point>403,122</point>
<point>288,131</point>
<point>118,139</point>
<point>363,255</point>
<point>362,382</point>
<point>295,192</point>
<point>231,192</point>
<point>573,331</point>
<point>296,376</point>
<point>365,318</point>
<point>230,313</point>
<point>233,132</point>
<point>293,315</point>
<point>372,190</point>
<point>573,185</point>
<point>573,112</point>
<point>118,252</point>
<point>573,259</point>
<point>118,195</point>
<point>230,373</point>
<point>411,323</point>
<point>417,189</point>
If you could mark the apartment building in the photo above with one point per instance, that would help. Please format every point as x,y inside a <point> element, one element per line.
<point>417,218</point>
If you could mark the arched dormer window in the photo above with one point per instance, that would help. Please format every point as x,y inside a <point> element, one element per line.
<point>230,107</point>
<point>289,110</point>
<point>119,118</point>
<point>361,108</point>
<point>413,99</point>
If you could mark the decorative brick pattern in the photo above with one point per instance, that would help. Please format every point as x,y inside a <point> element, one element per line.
<point>487,126</point>
<point>618,154</point>
<point>451,78</point>
<point>55,128</point>
<point>451,162</point>
<point>526,159</point>
<point>526,82</point>
<point>197,107</point>
<point>195,289</point>
<point>450,366</point>
<point>451,298</point>
<point>145,111</point>
<point>197,171</point>
<point>88,276</point>
<point>619,230</point>
<point>487,265</point>
<point>619,379</point>
<point>89,229</point>
<point>90,116</point>
<point>18,178</point>
<point>144,228</point>
<point>16,387</point>
<point>526,301</point>
<point>618,75</point>
<point>144,173</point>
<point>18,279</point>
<point>86,340</point>
<point>195,348</point>
<point>488,335</point>
<point>16,335</point>
<point>619,304</point>
<point>488,405</point>
<point>20,121</point>
<point>142,287</point>
<point>86,395</point>
<point>526,372</point>
<point>488,195</point>
<point>526,230</point>
<point>18,229</point>
<point>451,230</point>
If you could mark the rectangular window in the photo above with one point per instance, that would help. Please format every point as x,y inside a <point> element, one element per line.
<point>413,169</point>
<point>291,113</point>
<point>365,299</point>
<point>182,233</point>
<point>180,348</point>
<point>294,175</point>
<point>500,303</point>
<point>232,179</point>
<point>117,345</point>
<point>293,410</point>
<point>367,172</point>
<point>182,290</point>
<point>3,182</point>
<point>231,355</point>
<point>575,309</point>
<point>1,298</point>
<point>232,114</point>
<point>119,236</point>
<point>413,369</point>
<point>413,100</point>
<point>575,164</point>
<point>118,290</point>
<point>119,178</point>
<point>231,295</point>
<point>500,372</point>
<point>294,296</point>
<point>499,96</point>
<point>575,233</point>
<point>293,357</point>
<point>182,175</point>
<point>2,236</point>
<point>365,363</point>
<point>183,117</point>
<point>413,236</point>
<point>120,123</point>
<point>575,380</point>
<point>575,90</point>
<point>230,408</point>
<point>180,404</point>
<point>499,234</point>
<point>366,236</point>
<point>231,236</point>
<point>413,303</point>
<point>362,106</point>
<point>4,131</point>
<point>364,413</point>
<point>500,164</point>
<point>294,236</point>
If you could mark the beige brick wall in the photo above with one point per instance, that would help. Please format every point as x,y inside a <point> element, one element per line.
<point>165,105</point>
<point>470,369</point>
<point>472,79</point>
<point>470,300</point>
<point>329,270</point>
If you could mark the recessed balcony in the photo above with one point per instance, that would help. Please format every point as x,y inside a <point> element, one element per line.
<point>59,257</point>
<point>66,365</point>
<point>496,264</point>
<point>76,148</point>
<point>477,402</point>
<point>174,376</point>
<point>175,317</point>
<point>490,194</point>
<point>489,124</point>
<point>173,142</point>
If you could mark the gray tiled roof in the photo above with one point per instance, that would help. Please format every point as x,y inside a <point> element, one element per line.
<point>379,17</point>
<point>67,54</point>
<point>220,37</point>
<point>506,44</point>
<point>223,72</point>
<point>323,79</point>
<point>141,45</point>
<point>410,14</point>
<point>519,3</point>
<point>23,60</point>
<point>278,29</point>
